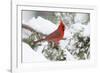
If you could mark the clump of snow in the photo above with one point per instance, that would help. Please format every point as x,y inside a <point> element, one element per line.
<point>29,55</point>
<point>42,25</point>
<point>76,27</point>
<point>69,56</point>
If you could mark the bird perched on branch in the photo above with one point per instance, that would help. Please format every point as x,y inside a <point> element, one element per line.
<point>55,36</point>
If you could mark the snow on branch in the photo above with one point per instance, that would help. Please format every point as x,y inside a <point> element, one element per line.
<point>41,25</point>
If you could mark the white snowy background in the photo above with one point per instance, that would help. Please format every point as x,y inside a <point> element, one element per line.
<point>76,23</point>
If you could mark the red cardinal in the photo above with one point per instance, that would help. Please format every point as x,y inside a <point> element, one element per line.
<point>55,36</point>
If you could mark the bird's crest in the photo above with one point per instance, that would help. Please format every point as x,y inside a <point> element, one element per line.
<point>61,25</point>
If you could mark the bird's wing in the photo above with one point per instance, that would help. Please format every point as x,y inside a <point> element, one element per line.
<point>54,35</point>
